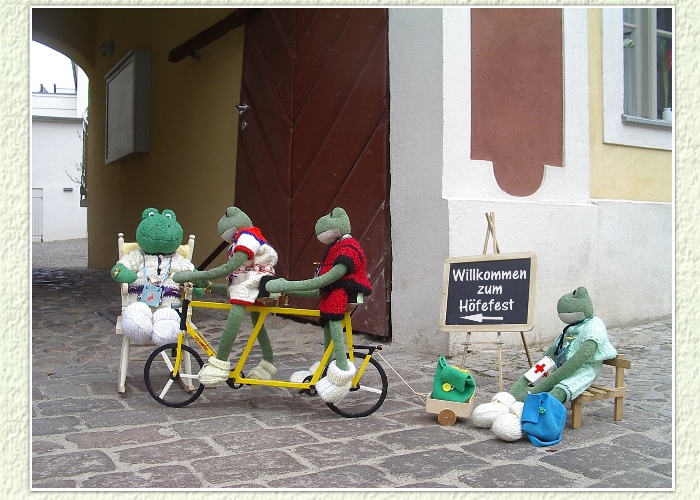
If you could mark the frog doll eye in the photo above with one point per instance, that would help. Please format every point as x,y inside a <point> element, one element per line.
<point>169,214</point>
<point>149,212</point>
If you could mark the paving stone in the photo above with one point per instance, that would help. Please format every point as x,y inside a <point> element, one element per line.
<point>71,406</point>
<point>170,452</point>
<point>217,426</point>
<point>497,451</point>
<point>596,461</point>
<point>151,477</point>
<point>427,437</point>
<point>263,440</point>
<point>643,444</point>
<point>345,427</point>
<point>355,477</point>
<point>55,425</point>
<point>66,465</point>
<point>123,418</point>
<point>39,446</point>
<point>86,435</point>
<point>429,464</point>
<point>341,452</point>
<point>632,479</point>
<point>516,476</point>
<point>263,465</point>
<point>114,439</point>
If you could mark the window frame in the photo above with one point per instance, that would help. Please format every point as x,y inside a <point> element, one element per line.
<point>618,127</point>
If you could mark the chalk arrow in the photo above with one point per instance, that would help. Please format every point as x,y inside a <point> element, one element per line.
<point>480,317</point>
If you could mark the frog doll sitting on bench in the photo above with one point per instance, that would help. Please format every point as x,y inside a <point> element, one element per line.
<point>578,354</point>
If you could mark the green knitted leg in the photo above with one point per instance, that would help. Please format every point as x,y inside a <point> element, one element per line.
<point>233,324</point>
<point>263,339</point>
<point>326,335</point>
<point>520,389</point>
<point>559,394</point>
<point>336,332</point>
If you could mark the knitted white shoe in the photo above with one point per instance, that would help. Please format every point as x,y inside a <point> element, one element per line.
<point>298,377</point>
<point>137,322</point>
<point>215,372</point>
<point>166,326</point>
<point>486,414</point>
<point>508,426</point>
<point>336,384</point>
<point>263,371</point>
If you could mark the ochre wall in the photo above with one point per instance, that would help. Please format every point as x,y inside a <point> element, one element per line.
<point>621,172</point>
<point>56,28</point>
<point>191,164</point>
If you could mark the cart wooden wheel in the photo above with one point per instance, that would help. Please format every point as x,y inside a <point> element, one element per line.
<point>447,417</point>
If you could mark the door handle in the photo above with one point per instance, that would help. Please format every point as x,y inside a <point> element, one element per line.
<point>242,108</point>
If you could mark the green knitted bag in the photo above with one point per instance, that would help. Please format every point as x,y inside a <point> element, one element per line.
<point>452,383</point>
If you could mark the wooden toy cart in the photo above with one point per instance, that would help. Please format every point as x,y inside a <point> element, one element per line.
<point>448,411</point>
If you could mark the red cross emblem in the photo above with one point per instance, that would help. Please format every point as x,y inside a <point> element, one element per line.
<point>539,368</point>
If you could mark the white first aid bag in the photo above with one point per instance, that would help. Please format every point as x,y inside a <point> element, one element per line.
<point>541,369</point>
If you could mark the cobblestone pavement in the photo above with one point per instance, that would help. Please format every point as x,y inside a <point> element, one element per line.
<point>86,435</point>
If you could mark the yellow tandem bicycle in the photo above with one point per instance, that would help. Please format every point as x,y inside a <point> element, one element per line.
<point>164,367</point>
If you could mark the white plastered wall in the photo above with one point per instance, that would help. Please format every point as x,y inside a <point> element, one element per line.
<point>419,219</point>
<point>621,251</point>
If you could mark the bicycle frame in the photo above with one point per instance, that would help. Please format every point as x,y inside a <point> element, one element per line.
<point>236,375</point>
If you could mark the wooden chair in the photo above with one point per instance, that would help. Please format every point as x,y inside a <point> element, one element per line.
<point>124,248</point>
<point>596,392</point>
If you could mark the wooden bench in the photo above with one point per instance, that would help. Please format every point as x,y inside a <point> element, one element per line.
<point>596,392</point>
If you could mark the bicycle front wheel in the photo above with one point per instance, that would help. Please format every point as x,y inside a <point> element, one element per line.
<point>369,393</point>
<point>174,391</point>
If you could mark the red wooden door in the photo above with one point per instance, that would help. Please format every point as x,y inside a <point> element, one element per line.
<point>315,136</point>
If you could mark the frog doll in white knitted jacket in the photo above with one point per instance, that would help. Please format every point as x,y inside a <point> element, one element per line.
<point>149,272</point>
<point>578,354</point>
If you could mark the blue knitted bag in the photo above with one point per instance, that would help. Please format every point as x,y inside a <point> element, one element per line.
<point>543,420</point>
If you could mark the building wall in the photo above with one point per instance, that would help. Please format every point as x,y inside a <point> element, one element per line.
<point>191,164</point>
<point>419,217</point>
<point>56,156</point>
<point>620,171</point>
<point>56,149</point>
<point>621,250</point>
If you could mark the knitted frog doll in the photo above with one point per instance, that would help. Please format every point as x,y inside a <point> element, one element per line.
<point>148,270</point>
<point>341,275</point>
<point>250,258</point>
<point>578,353</point>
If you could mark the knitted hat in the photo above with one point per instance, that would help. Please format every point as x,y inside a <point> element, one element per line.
<point>543,420</point>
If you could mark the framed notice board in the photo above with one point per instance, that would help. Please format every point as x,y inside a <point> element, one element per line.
<point>494,293</point>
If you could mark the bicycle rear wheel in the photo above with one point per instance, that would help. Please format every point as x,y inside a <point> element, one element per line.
<point>167,389</point>
<point>368,395</point>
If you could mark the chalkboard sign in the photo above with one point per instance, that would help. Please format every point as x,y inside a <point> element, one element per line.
<point>493,293</point>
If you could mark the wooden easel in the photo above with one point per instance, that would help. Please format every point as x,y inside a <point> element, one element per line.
<point>491,232</point>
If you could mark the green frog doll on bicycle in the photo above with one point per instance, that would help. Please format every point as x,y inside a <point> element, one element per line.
<point>339,279</point>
